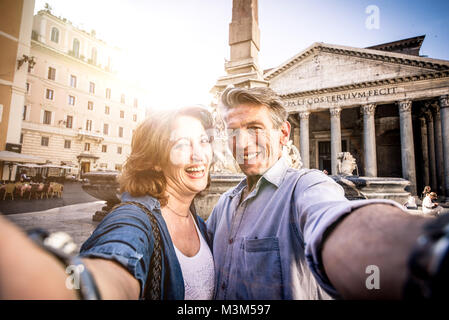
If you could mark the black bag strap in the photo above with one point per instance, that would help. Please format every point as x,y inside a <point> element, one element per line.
<point>152,289</point>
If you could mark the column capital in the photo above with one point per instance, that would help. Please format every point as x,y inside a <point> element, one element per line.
<point>368,109</point>
<point>304,114</point>
<point>404,105</point>
<point>444,101</point>
<point>429,116</point>
<point>335,112</point>
<point>436,109</point>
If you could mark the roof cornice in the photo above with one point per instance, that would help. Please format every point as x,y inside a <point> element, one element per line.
<point>370,54</point>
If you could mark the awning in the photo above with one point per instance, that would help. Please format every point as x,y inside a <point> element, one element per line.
<point>8,156</point>
<point>87,156</point>
<point>29,165</point>
<point>50,165</point>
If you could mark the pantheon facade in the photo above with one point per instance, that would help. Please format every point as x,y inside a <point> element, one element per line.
<point>386,105</point>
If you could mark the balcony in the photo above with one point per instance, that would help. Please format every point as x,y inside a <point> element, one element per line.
<point>85,134</point>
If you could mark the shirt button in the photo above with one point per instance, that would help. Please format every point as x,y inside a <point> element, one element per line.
<point>231,241</point>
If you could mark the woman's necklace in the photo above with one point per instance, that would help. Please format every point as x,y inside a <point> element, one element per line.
<point>177,213</point>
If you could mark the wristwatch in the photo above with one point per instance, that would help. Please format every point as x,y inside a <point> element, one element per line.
<point>61,246</point>
<point>428,264</point>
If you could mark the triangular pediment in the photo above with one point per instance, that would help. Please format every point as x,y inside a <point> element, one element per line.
<point>324,66</point>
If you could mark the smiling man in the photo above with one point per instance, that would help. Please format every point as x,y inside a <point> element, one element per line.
<point>283,233</point>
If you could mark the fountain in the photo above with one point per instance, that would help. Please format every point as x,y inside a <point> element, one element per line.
<point>357,187</point>
<point>102,185</point>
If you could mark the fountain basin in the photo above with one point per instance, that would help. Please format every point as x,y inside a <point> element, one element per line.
<point>102,185</point>
<point>374,188</point>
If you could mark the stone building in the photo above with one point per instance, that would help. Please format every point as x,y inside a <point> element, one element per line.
<point>77,110</point>
<point>386,105</point>
<point>15,61</point>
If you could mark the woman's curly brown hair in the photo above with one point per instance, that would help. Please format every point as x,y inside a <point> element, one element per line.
<point>150,151</point>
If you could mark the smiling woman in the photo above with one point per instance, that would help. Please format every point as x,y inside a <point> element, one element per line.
<point>171,154</point>
<point>168,166</point>
<point>165,141</point>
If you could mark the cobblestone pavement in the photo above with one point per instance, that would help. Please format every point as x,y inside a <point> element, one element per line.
<point>76,220</point>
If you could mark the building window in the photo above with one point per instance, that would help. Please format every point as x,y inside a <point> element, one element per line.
<point>107,110</point>
<point>87,146</point>
<point>91,87</point>
<point>120,132</point>
<point>93,58</point>
<point>104,148</point>
<point>89,125</point>
<point>51,73</point>
<point>49,94</point>
<point>122,98</point>
<point>44,141</point>
<point>108,93</point>
<point>71,100</point>
<point>28,87</point>
<point>108,67</point>
<point>122,114</point>
<point>76,48</point>
<point>106,129</point>
<point>67,144</point>
<point>24,116</point>
<point>55,35</point>
<point>90,105</point>
<point>119,150</point>
<point>21,138</point>
<point>136,103</point>
<point>135,117</point>
<point>69,122</point>
<point>47,117</point>
<point>118,167</point>
<point>73,81</point>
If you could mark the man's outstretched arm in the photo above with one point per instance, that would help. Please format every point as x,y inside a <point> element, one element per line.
<point>378,235</point>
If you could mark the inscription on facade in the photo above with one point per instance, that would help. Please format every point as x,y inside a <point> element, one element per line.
<point>341,97</point>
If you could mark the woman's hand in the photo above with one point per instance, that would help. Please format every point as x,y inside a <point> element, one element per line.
<point>29,272</point>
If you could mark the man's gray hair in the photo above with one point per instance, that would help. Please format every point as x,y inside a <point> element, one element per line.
<point>233,97</point>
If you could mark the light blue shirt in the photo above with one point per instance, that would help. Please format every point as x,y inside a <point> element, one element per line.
<point>269,245</point>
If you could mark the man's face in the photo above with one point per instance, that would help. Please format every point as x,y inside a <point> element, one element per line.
<point>255,144</point>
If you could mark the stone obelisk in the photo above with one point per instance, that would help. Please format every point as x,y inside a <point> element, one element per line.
<point>244,41</point>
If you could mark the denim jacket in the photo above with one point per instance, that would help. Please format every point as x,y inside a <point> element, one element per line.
<point>125,236</point>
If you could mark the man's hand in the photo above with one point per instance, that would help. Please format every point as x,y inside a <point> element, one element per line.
<point>374,240</point>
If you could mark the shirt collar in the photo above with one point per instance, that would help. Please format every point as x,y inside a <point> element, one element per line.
<point>150,202</point>
<point>275,175</point>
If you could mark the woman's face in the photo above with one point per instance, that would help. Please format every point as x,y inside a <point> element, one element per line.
<point>190,156</point>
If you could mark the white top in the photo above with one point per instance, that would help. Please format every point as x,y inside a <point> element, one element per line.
<point>198,272</point>
<point>427,202</point>
<point>428,206</point>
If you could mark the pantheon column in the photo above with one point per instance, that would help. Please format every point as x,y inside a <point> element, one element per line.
<point>425,151</point>
<point>431,141</point>
<point>369,140</point>
<point>296,137</point>
<point>444,109</point>
<point>335,137</point>
<point>438,147</point>
<point>304,138</point>
<point>407,145</point>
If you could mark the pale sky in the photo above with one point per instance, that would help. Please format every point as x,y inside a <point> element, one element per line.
<point>176,48</point>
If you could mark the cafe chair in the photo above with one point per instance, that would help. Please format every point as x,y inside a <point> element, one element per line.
<point>9,189</point>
